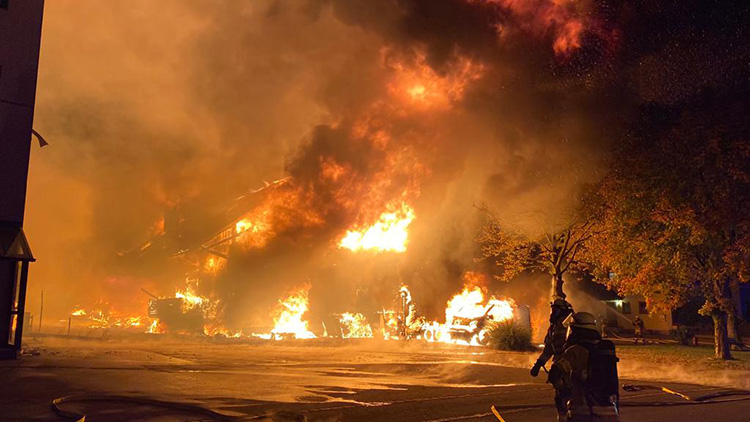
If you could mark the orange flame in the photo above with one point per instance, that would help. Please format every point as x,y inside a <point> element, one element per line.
<point>190,299</point>
<point>355,326</point>
<point>417,84</point>
<point>566,19</point>
<point>465,309</point>
<point>107,318</point>
<point>289,315</point>
<point>389,233</point>
<point>156,327</point>
<point>78,312</point>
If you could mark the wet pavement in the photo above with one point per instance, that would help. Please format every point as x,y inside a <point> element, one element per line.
<point>319,380</point>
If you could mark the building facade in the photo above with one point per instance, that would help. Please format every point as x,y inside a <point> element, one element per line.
<point>620,313</point>
<point>20,32</point>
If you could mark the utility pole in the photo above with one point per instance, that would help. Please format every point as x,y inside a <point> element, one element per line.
<point>41,312</point>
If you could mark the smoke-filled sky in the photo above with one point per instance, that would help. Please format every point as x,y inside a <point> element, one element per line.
<point>442,104</point>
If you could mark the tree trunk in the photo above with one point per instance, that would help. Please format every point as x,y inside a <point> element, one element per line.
<point>733,318</point>
<point>721,339</point>
<point>733,327</point>
<point>557,287</point>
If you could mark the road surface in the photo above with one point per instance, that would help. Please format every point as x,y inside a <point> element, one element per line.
<point>317,380</point>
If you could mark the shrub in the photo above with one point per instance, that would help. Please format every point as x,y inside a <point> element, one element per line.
<point>683,335</point>
<point>509,335</point>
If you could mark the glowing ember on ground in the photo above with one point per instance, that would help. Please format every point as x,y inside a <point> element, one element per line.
<point>354,326</point>
<point>288,319</point>
<point>389,233</point>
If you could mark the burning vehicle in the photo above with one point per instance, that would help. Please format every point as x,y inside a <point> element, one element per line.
<point>175,313</point>
<point>468,330</point>
<point>469,316</point>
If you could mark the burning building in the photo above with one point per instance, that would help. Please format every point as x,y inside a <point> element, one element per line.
<point>382,126</point>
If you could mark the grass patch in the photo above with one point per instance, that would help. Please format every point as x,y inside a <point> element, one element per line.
<point>509,335</point>
<point>686,355</point>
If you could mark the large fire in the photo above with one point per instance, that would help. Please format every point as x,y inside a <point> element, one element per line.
<point>354,326</point>
<point>469,314</point>
<point>290,316</point>
<point>420,87</point>
<point>470,304</point>
<point>190,299</point>
<point>104,317</point>
<point>361,195</point>
<point>389,233</point>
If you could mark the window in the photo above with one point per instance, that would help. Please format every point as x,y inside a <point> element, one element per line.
<point>642,308</point>
<point>626,308</point>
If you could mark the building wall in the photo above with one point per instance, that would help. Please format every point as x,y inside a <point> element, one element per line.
<point>20,29</point>
<point>20,34</point>
<point>623,312</point>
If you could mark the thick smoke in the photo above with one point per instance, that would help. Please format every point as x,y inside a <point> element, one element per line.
<point>152,107</point>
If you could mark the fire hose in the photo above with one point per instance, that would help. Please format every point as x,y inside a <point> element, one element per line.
<point>720,397</point>
<point>186,407</point>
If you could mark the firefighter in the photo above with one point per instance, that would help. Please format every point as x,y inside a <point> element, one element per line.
<point>587,373</point>
<point>638,324</point>
<point>554,343</point>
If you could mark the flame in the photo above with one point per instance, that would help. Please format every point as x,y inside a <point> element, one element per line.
<point>569,38</point>
<point>213,330</point>
<point>416,84</point>
<point>288,319</point>
<point>464,312</point>
<point>567,20</point>
<point>107,318</point>
<point>467,304</point>
<point>158,227</point>
<point>283,207</point>
<point>470,304</point>
<point>156,327</point>
<point>355,326</point>
<point>391,326</point>
<point>247,225</point>
<point>389,233</point>
<point>190,299</point>
<point>214,265</point>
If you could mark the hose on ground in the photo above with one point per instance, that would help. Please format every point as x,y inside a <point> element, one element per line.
<point>720,397</point>
<point>187,407</point>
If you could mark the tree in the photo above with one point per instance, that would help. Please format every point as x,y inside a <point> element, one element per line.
<point>514,252</point>
<point>671,216</point>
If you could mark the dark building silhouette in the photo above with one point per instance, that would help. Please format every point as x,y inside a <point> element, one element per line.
<point>20,32</point>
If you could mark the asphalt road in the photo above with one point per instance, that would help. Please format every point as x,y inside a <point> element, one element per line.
<point>310,380</point>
